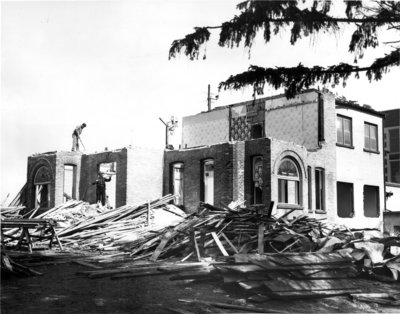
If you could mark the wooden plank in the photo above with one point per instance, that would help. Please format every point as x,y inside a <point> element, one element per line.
<point>219,244</point>
<point>313,294</point>
<point>261,230</point>
<point>250,284</point>
<point>194,242</point>
<point>166,237</point>
<point>247,268</point>
<point>286,285</point>
<point>252,309</point>
<point>86,264</point>
<point>270,266</point>
<point>230,243</point>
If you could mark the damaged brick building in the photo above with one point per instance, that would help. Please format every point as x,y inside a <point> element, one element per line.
<point>313,153</point>
<point>54,177</point>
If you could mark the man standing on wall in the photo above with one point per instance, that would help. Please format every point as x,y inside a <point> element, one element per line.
<point>76,136</point>
<point>101,188</point>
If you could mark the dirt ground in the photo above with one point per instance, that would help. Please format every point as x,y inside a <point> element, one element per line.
<point>61,289</point>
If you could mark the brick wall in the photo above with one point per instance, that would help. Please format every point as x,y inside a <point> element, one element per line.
<point>324,156</point>
<point>145,174</point>
<point>192,159</point>
<point>238,170</point>
<point>89,170</point>
<point>66,158</point>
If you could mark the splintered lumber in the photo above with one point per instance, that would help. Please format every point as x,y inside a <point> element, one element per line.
<point>164,240</point>
<point>196,247</point>
<point>261,230</point>
<point>86,264</point>
<point>280,284</point>
<point>219,244</point>
<point>252,309</point>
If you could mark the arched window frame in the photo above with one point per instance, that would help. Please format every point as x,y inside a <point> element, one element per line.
<point>285,182</point>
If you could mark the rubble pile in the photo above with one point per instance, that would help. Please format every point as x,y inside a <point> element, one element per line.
<point>159,230</point>
<point>90,228</point>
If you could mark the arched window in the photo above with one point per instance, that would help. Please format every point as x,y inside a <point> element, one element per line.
<point>41,183</point>
<point>289,182</point>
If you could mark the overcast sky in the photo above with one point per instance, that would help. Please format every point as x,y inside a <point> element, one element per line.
<point>106,63</point>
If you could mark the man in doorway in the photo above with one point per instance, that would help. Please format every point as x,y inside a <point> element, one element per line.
<point>101,188</point>
<point>76,136</point>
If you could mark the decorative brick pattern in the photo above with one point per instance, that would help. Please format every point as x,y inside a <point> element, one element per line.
<point>240,129</point>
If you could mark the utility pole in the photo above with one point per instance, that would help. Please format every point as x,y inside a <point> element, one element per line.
<point>209,98</point>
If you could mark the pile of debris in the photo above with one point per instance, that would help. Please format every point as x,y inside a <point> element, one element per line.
<point>161,230</point>
<point>230,231</point>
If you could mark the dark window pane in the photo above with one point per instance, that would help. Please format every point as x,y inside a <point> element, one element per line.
<point>345,200</point>
<point>282,191</point>
<point>395,171</point>
<point>394,140</point>
<point>371,201</point>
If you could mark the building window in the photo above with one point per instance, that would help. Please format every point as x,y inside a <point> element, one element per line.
<point>345,199</point>
<point>69,182</point>
<point>309,181</point>
<point>109,170</point>
<point>256,131</point>
<point>371,201</point>
<point>257,181</point>
<point>41,183</point>
<point>393,154</point>
<point>320,189</point>
<point>177,182</point>
<point>370,137</point>
<point>344,131</point>
<point>207,192</point>
<point>288,182</point>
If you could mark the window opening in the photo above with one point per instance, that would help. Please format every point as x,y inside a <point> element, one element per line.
<point>370,137</point>
<point>69,182</point>
<point>288,182</point>
<point>344,131</point>
<point>256,131</point>
<point>41,183</point>
<point>320,189</point>
<point>371,201</point>
<point>345,199</point>
<point>109,171</point>
<point>177,182</point>
<point>208,181</point>
<point>257,180</point>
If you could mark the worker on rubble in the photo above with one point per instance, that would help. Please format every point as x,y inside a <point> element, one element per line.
<point>101,188</point>
<point>76,136</point>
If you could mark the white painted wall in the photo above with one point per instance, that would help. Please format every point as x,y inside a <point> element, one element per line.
<point>361,168</point>
<point>393,202</point>
<point>206,128</point>
<point>144,174</point>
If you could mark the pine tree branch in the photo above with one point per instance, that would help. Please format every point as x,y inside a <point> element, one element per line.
<point>295,79</point>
